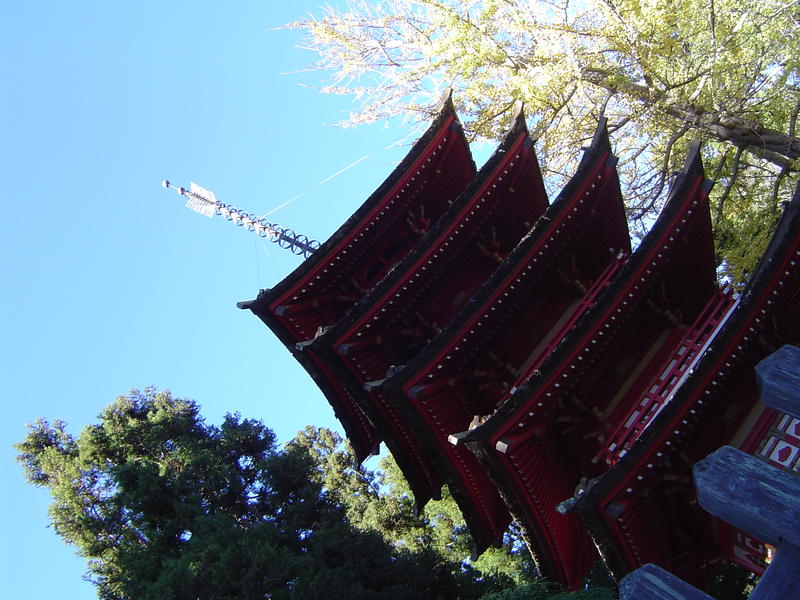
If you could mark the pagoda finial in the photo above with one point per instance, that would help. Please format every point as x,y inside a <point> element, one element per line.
<point>205,202</point>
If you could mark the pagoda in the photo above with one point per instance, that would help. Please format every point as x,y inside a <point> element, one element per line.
<point>644,508</point>
<point>360,253</point>
<point>496,340</point>
<point>522,353</point>
<point>420,295</point>
<point>547,438</point>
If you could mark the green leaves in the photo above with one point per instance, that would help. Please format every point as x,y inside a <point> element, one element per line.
<point>163,505</point>
<point>662,73</point>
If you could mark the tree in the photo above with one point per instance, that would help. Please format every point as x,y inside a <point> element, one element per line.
<point>721,71</point>
<point>382,502</point>
<point>164,506</point>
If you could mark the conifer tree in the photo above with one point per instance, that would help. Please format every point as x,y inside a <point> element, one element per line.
<point>164,506</point>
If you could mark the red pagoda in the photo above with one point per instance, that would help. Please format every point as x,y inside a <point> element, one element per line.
<point>389,325</point>
<point>644,508</point>
<point>521,354</point>
<point>519,313</point>
<point>550,435</point>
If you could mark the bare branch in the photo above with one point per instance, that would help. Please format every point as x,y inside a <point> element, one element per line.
<point>664,169</point>
<point>776,188</point>
<point>728,186</point>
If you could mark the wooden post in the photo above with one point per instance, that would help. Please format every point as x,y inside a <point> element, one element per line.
<point>751,495</point>
<point>748,493</point>
<point>778,378</point>
<point>781,581</point>
<point>654,583</point>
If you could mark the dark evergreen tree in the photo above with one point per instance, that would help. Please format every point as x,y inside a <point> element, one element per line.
<point>381,501</point>
<point>164,506</point>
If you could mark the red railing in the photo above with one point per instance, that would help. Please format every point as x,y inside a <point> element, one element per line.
<point>659,390</point>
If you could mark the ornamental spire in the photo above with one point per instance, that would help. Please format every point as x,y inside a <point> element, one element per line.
<point>204,201</point>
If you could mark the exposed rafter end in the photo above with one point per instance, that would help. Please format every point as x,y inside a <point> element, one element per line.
<point>416,391</point>
<point>300,346</point>
<point>456,438</point>
<point>567,506</point>
<point>503,446</point>
<point>373,385</point>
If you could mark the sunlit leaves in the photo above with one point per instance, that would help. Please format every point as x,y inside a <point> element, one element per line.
<point>715,70</point>
<point>163,505</point>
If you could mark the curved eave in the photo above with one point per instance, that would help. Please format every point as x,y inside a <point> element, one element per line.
<point>720,354</point>
<point>551,559</point>
<point>350,231</point>
<point>401,440</point>
<point>359,430</point>
<point>597,155</point>
<point>364,437</point>
<point>690,187</point>
<point>483,509</point>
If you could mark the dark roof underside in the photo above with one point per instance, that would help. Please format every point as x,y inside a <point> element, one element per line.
<point>722,384</point>
<point>534,460</point>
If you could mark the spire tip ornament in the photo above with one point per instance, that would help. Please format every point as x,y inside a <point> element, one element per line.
<point>203,201</point>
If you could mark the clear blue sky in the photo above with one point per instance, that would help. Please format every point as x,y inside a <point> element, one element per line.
<point>109,283</point>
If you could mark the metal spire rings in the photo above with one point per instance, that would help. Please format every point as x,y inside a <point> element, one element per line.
<point>205,202</point>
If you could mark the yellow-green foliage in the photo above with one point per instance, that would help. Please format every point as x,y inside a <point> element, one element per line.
<point>721,71</point>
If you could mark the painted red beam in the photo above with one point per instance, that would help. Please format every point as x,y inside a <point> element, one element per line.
<point>540,443</point>
<point>423,291</point>
<point>379,234</point>
<point>643,509</point>
<point>440,388</point>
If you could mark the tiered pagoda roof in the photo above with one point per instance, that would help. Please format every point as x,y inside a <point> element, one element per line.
<point>545,439</point>
<point>644,508</point>
<point>521,354</point>
<point>360,253</point>
<point>497,339</point>
<point>397,317</point>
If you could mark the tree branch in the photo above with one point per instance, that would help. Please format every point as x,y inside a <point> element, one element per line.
<point>728,186</point>
<point>776,188</point>
<point>664,169</point>
<point>768,144</point>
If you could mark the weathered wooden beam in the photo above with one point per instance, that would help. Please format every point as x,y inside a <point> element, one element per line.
<point>750,494</point>
<point>781,580</point>
<point>778,378</point>
<point>654,583</point>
